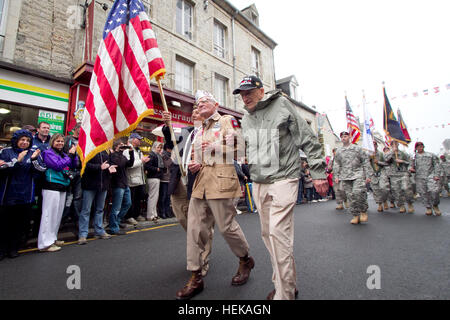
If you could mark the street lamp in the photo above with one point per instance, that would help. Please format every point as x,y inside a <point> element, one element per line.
<point>86,5</point>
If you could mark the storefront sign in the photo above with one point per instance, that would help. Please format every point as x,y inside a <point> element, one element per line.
<point>55,119</point>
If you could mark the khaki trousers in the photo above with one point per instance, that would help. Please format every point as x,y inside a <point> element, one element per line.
<point>180,207</point>
<point>202,215</point>
<point>275,203</point>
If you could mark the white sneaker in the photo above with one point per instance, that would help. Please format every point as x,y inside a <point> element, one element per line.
<point>141,219</point>
<point>52,248</point>
<point>132,221</point>
<point>238,211</point>
<point>314,201</point>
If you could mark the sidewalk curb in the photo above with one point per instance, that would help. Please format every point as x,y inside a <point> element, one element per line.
<point>70,234</point>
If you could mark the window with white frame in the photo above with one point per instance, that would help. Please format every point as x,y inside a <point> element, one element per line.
<point>184,17</point>
<point>256,65</point>
<point>184,75</point>
<point>219,39</point>
<point>3,15</point>
<point>220,89</point>
<point>293,90</point>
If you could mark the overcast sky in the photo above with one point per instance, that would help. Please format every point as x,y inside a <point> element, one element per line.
<point>333,47</point>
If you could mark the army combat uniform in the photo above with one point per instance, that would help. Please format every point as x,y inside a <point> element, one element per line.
<point>399,175</point>
<point>338,190</point>
<point>379,179</point>
<point>445,175</point>
<point>352,167</point>
<point>426,166</point>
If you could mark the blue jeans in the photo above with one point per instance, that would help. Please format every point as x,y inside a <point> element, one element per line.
<point>300,191</point>
<point>89,196</point>
<point>309,194</point>
<point>121,203</point>
<point>164,200</point>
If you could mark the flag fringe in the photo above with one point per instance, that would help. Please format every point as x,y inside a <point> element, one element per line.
<point>108,144</point>
<point>160,73</point>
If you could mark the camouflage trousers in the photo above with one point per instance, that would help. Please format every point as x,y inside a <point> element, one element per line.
<point>339,193</point>
<point>380,187</point>
<point>401,189</point>
<point>356,192</point>
<point>390,196</point>
<point>444,183</point>
<point>429,190</point>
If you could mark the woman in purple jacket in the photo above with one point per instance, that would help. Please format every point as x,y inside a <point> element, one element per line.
<point>57,180</point>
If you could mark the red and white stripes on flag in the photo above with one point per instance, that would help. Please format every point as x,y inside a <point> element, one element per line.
<point>387,141</point>
<point>352,124</point>
<point>119,94</point>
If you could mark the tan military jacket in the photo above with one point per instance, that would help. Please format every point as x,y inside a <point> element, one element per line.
<point>217,178</point>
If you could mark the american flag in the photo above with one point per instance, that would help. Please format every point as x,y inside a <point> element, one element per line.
<point>352,124</point>
<point>387,141</point>
<point>119,94</point>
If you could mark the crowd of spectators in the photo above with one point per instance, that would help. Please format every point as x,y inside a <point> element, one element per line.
<point>41,188</point>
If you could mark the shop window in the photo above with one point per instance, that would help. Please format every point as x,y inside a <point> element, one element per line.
<point>14,117</point>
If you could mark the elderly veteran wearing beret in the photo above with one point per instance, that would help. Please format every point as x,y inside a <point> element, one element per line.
<point>212,196</point>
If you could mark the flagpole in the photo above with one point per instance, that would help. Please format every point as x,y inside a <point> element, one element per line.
<point>172,134</point>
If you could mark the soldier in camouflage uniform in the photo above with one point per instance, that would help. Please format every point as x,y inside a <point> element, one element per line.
<point>390,198</point>
<point>338,189</point>
<point>426,167</point>
<point>379,179</point>
<point>353,171</point>
<point>399,174</point>
<point>445,174</point>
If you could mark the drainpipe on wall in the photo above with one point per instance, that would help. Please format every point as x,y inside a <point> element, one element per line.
<point>234,56</point>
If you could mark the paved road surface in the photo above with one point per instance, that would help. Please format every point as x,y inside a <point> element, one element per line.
<point>332,256</point>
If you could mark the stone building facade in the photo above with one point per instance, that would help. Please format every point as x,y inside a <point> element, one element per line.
<point>46,62</point>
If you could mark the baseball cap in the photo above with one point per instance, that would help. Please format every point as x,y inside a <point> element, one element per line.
<point>136,136</point>
<point>248,83</point>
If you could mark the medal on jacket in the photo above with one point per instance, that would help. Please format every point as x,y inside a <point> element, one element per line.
<point>216,129</point>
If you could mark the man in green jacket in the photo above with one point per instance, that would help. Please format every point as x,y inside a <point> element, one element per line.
<point>275,132</point>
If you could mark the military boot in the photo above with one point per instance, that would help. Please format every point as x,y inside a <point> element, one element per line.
<point>347,205</point>
<point>410,208</point>
<point>246,265</point>
<point>340,206</point>
<point>392,204</point>
<point>402,209</point>
<point>386,206</point>
<point>429,212</point>
<point>380,207</point>
<point>355,220</point>
<point>437,211</point>
<point>364,217</point>
<point>192,288</point>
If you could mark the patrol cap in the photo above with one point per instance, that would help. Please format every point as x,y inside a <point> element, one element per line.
<point>343,133</point>
<point>249,83</point>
